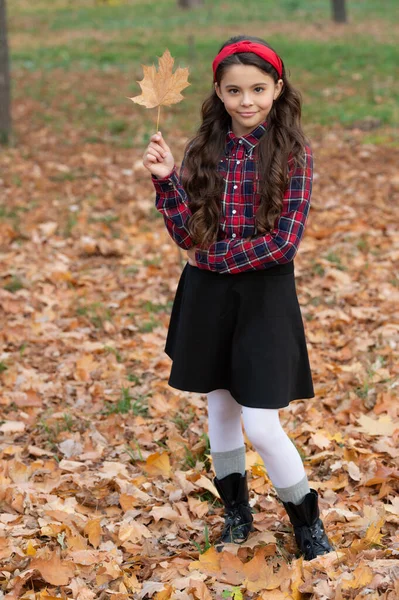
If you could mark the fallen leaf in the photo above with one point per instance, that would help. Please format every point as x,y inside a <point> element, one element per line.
<point>53,569</point>
<point>382,426</point>
<point>158,464</point>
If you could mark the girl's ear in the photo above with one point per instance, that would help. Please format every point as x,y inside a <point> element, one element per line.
<point>218,91</point>
<point>278,87</point>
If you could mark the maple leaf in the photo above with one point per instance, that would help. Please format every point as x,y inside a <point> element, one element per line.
<point>162,88</point>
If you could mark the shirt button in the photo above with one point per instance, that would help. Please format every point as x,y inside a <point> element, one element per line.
<point>234,235</point>
<point>238,162</point>
<point>240,142</point>
<point>234,212</point>
<point>235,187</point>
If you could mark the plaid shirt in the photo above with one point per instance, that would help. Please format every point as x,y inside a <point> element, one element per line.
<point>231,253</point>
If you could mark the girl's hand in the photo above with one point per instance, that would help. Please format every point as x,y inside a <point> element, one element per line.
<point>191,256</point>
<point>158,158</point>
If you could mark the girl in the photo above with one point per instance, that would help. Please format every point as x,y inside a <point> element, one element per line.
<point>236,332</point>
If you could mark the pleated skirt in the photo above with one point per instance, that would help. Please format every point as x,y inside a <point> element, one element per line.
<point>241,332</point>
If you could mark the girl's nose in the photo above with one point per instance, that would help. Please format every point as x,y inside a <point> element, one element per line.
<point>247,102</point>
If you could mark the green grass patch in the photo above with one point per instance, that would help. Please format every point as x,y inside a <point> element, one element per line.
<point>343,79</point>
<point>129,15</point>
<point>126,404</point>
<point>14,284</point>
<point>96,312</point>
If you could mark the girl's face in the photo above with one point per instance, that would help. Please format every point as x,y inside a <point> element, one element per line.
<point>248,94</point>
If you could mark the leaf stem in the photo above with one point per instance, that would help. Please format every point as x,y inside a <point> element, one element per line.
<point>159,112</point>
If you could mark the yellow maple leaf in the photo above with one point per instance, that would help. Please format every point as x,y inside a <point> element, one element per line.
<point>361,577</point>
<point>158,464</point>
<point>162,88</point>
<point>373,534</point>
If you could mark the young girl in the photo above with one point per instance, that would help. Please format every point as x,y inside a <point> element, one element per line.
<point>236,332</point>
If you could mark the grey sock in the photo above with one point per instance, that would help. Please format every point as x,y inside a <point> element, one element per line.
<point>229,462</point>
<point>294,493</point>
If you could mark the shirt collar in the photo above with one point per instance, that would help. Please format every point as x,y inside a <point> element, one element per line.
<point>249,140</point>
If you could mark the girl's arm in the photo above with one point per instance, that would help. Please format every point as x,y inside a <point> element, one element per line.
<point>172,202</point>
<point>279,246</point>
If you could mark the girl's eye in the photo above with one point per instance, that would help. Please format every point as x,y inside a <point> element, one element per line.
<point>257,88</point>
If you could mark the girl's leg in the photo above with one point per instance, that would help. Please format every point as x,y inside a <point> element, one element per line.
<point>225,433</point>
<point>282,460</point>
<point>228,454</point>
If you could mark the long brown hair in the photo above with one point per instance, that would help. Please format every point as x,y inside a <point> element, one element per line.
<point>282,140</point>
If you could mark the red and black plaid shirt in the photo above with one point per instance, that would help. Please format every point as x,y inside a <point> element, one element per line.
<point>232,253</point>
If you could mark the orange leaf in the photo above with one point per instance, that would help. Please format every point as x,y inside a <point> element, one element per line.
<point>93,530</point>
<point>231,569</point>
<point>297,578</point>
<point>162,88</point>
<point>208,562</point>
<point>53,569</point>
<point>259,575</point>
<point>361,577</point>
<point>199,589</point>
<point>165,594</point>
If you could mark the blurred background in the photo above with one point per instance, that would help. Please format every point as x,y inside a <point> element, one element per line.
<point>74,63</point>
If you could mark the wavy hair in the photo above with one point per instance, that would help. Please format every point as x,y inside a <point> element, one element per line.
<point>281,146</point>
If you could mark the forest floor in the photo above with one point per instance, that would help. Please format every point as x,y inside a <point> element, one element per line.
<point>105,472</point>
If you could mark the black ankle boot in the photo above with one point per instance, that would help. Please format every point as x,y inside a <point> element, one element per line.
<point>309,531</point>
<point>233,491</point>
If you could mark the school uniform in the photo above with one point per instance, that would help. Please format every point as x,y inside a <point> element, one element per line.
<point>236,323</point>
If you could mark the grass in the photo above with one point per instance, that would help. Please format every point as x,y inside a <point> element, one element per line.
<point>127,404</point>
<point>131,14</point>
<point>345,79</point>
<point>51,430</point>
<point>207,543</point>
<point>96,312</point>
<point>14,284</point>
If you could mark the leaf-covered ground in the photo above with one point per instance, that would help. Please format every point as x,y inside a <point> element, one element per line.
<point>105,475</point>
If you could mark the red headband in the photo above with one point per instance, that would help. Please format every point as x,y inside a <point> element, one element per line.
<point>246,46</point>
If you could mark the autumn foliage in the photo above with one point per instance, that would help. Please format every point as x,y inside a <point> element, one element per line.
<point>105,475</point>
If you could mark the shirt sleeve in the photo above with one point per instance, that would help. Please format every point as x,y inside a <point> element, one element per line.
<point>172,202</point>
<point>276,247</point>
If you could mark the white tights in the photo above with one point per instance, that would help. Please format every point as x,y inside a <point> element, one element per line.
<point>263,428</point>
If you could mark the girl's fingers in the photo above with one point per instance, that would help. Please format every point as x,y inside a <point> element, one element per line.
<point>158,148</point>
<point>155,153</point>
<point>158,138</point>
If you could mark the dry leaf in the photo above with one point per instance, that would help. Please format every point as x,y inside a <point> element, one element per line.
<point>93,530</point>
<point>382,426</point>
<point>162,87</point>
<point>158,464</point>
<point>53,569</point>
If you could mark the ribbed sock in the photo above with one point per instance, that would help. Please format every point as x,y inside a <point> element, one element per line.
<point>229,462</point>
<point>295,493</point>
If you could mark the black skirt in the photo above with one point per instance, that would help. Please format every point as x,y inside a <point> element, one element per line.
<point>241,332</point>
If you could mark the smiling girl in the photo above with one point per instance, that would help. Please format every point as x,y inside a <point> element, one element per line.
<point>236,333</point>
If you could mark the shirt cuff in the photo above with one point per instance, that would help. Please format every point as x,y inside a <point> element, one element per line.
<point>165,184</point>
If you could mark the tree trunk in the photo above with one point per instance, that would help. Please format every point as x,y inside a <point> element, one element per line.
<point>5,110</point>
<point>190,3</point>
<point>339,11</point>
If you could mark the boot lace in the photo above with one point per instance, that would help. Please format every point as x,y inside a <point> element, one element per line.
<point>233,520</point>
<point>314,540</point>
